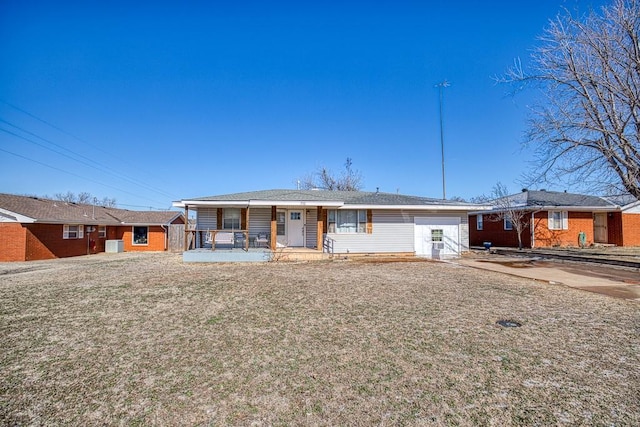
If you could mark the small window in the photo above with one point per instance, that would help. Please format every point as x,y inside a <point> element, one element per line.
<point>140,235</point>
<point>295,216</point>
<point>508,225</point>
<point>437,235</point>
<point>102,231</point>
<point>558,220</point>
<point>231,219</point>
<point>479,223</point>
<point>72,231</point>
<point>280,220</point>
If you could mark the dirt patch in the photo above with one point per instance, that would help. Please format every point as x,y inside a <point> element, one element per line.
<point>149,340</point>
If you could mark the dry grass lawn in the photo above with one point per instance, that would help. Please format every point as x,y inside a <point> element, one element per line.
<point>144,339</point>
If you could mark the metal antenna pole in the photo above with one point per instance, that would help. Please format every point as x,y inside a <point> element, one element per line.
<point>442,85</point>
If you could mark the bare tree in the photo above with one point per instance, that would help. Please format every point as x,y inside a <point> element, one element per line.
<point>85,198</point>
<point>508,207</point>
<point>350,180</point>
<point>587,128</point>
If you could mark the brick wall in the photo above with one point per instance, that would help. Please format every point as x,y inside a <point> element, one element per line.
<point>578,221</point>
<point>155,237</point>
<point>493,231</point>
<point>12,242</point>
<point>631,229</point>
<point>44,241</point>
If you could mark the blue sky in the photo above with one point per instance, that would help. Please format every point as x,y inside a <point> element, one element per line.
<point>150,102</point>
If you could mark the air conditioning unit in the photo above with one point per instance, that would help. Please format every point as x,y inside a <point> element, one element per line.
<point>114,246</point>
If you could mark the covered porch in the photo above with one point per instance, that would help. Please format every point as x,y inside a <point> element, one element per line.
<point>253,255</point>
<point>259,228</point>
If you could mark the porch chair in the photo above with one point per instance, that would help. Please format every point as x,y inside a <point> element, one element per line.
<point>262,239</point>
<point>238,239</point>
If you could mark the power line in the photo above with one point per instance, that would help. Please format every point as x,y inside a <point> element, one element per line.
<point>107,169</point>
<point>76,175</point>
<point>89,162</point>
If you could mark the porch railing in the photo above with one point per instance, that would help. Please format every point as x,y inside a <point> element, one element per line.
<point>327,244</point>
<point>199,238</point>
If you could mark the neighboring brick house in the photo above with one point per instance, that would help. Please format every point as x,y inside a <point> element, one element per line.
<point>34,228</point>
<point>558,219</point>
<point>624,226</point>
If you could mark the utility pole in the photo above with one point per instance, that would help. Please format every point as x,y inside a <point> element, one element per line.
<point>441,86</point>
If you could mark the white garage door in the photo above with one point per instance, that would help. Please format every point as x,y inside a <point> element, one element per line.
<point>437,237</point>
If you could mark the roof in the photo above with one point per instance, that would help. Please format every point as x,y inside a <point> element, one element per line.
<point>327,198</point>
<point>625,201</point>
<point>545,200</point>
<point>38,209</point>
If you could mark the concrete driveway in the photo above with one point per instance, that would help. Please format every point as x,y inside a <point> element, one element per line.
<point>613,281</point>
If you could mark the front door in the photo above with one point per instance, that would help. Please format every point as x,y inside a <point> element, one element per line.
<point>290,226</point>
<point>295,228</point>
<point>600,231</point>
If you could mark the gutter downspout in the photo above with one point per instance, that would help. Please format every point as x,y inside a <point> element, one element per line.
<point>166,237</point>
<point>533,228</point>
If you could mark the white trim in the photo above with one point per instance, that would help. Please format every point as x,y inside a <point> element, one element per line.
<point>14,217</point>
<point>556,208</point>
<point>325,203</point>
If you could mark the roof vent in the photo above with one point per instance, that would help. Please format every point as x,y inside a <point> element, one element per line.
<point>543,189</point>
<point>524,190</point>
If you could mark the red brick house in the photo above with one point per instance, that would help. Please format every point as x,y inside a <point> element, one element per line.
<point>558,219</point>
<point>33,228</point>
<point>624,225</point>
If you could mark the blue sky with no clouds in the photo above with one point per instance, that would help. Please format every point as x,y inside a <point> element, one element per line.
<point>150,102</point>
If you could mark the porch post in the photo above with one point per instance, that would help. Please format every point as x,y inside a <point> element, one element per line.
<point>274,229</point>
<point>186,227</point>
<point>246,227</point>
<point>320,229</point>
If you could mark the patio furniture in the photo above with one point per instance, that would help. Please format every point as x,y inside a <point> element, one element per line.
<point>238,240</point>
<point>262,240</point>
<point>222,238</point>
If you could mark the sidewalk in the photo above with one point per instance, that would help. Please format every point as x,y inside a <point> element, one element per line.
<point>587,272</point>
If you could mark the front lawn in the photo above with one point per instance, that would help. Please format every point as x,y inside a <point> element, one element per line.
<point>148,340</point>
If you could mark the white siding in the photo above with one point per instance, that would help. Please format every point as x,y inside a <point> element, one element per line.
<point>464,232</point>
<point>206,219</point>
<point>393,231</point>
<point>311,229</point>
<point>259,221</point>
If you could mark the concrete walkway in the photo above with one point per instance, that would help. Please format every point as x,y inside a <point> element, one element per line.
<point>614,281</point>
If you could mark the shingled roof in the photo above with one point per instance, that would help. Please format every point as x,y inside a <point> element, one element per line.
<point>38,209</point>
<point>326,196</point>
<point>555,199</point>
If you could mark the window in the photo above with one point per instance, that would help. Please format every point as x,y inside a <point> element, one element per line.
<point>437,238</point>
<point>140,235</point>
<point>479,224</point>
<point>558,220</point>
<point>347,221</point>
<point>102,231</point>
<point>231,219</point>
<point>72,231</point>
<point>280,219</point>
<point>508,225</point>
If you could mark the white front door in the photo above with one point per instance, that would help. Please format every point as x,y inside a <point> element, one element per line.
<point>437,238</point>
<point>295,228</point>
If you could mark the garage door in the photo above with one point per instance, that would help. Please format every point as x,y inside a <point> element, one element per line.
<point>437,238</point>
